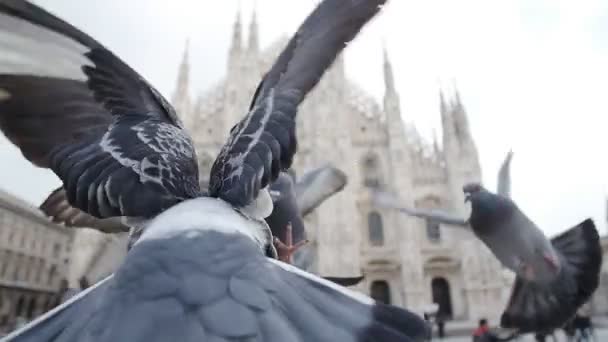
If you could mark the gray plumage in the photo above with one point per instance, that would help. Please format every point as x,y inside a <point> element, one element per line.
<point>554,277</point>
<point>387,200</point>
<point>314,187</point>
<point>57,207</point>
<point>211,285</point>
<point>390,201</point>
<point>294,200</point>
<point>264,142</point>
<point>504,177</point>
<point>198,271</point>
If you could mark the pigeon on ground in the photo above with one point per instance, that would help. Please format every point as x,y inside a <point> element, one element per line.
<point>198,272</point>
<point>553,277</point>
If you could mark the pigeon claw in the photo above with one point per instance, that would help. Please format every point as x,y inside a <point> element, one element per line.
<point>286,249</point>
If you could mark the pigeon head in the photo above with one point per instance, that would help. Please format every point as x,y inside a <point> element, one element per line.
<point>486,208</point>
<point>470,190</point>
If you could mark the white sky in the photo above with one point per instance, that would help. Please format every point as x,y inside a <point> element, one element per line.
<point>532,75</point>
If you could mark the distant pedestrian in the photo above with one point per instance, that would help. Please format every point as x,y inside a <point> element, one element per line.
<point>440,324</point>
<point>483,333</point>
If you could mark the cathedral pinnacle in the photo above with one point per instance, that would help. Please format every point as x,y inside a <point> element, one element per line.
<point>254,44</point>
<point>389,80</point>
<point>237,31</point>
<point>180,95</point>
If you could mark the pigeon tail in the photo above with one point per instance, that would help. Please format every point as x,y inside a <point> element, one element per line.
<point>536,308</point>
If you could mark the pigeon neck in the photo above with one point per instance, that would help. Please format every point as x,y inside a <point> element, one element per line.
<point>204,214</point>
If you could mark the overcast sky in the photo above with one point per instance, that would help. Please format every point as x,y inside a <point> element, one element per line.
<point>532,74</point>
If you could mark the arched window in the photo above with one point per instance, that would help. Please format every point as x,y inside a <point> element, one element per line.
<point>371,171</point>
<point>380,291</point>
<point>376,230</point>
<point>433,233</point>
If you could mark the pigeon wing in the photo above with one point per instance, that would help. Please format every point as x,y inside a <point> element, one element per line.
<point>58,208</point>
<point>219,287</point>
<point>72,106</point>
<point>388,201</point>
<point>264,142</point>
<point>504,177</point>
<point>534,308</point>
<point>317,186</point>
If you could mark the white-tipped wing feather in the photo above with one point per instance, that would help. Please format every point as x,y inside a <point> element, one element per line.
<point>72,106</point>
<point>58,208</point>
<point>264,142</point>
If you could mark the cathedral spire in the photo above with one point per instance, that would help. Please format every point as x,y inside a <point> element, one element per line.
<point>445,113</point>
<point>181,98</point>
<point>389,80</point>
<point>461,121</point>
<point>237,32</point>
<point>184,69</point>
<point>436,143</point>
<point>254,44</point>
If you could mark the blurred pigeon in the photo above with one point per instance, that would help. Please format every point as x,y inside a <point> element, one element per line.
<point>294,200</point>
<point>553,277</point>
<point>387,200</point>
<point>198,272</point>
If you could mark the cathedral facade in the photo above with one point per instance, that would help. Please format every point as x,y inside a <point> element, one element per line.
<point>406,261</point>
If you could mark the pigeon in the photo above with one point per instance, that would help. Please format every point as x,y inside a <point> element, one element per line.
<point>387,200</point>
<point>292,201</point>
<point>554,277</point>
<point>286,218</point>
<point>199,271</point>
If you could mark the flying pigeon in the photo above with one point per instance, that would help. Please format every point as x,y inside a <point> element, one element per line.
<point>294,200</point>
<point>198,272</point>
<point>553,277</point>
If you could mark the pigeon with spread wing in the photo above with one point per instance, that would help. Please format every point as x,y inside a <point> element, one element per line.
<point>554,277</point>
<point>198,272</point>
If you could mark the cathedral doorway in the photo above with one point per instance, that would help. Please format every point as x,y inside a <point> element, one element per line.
<point>380,291</point>
<point>441,296</point>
